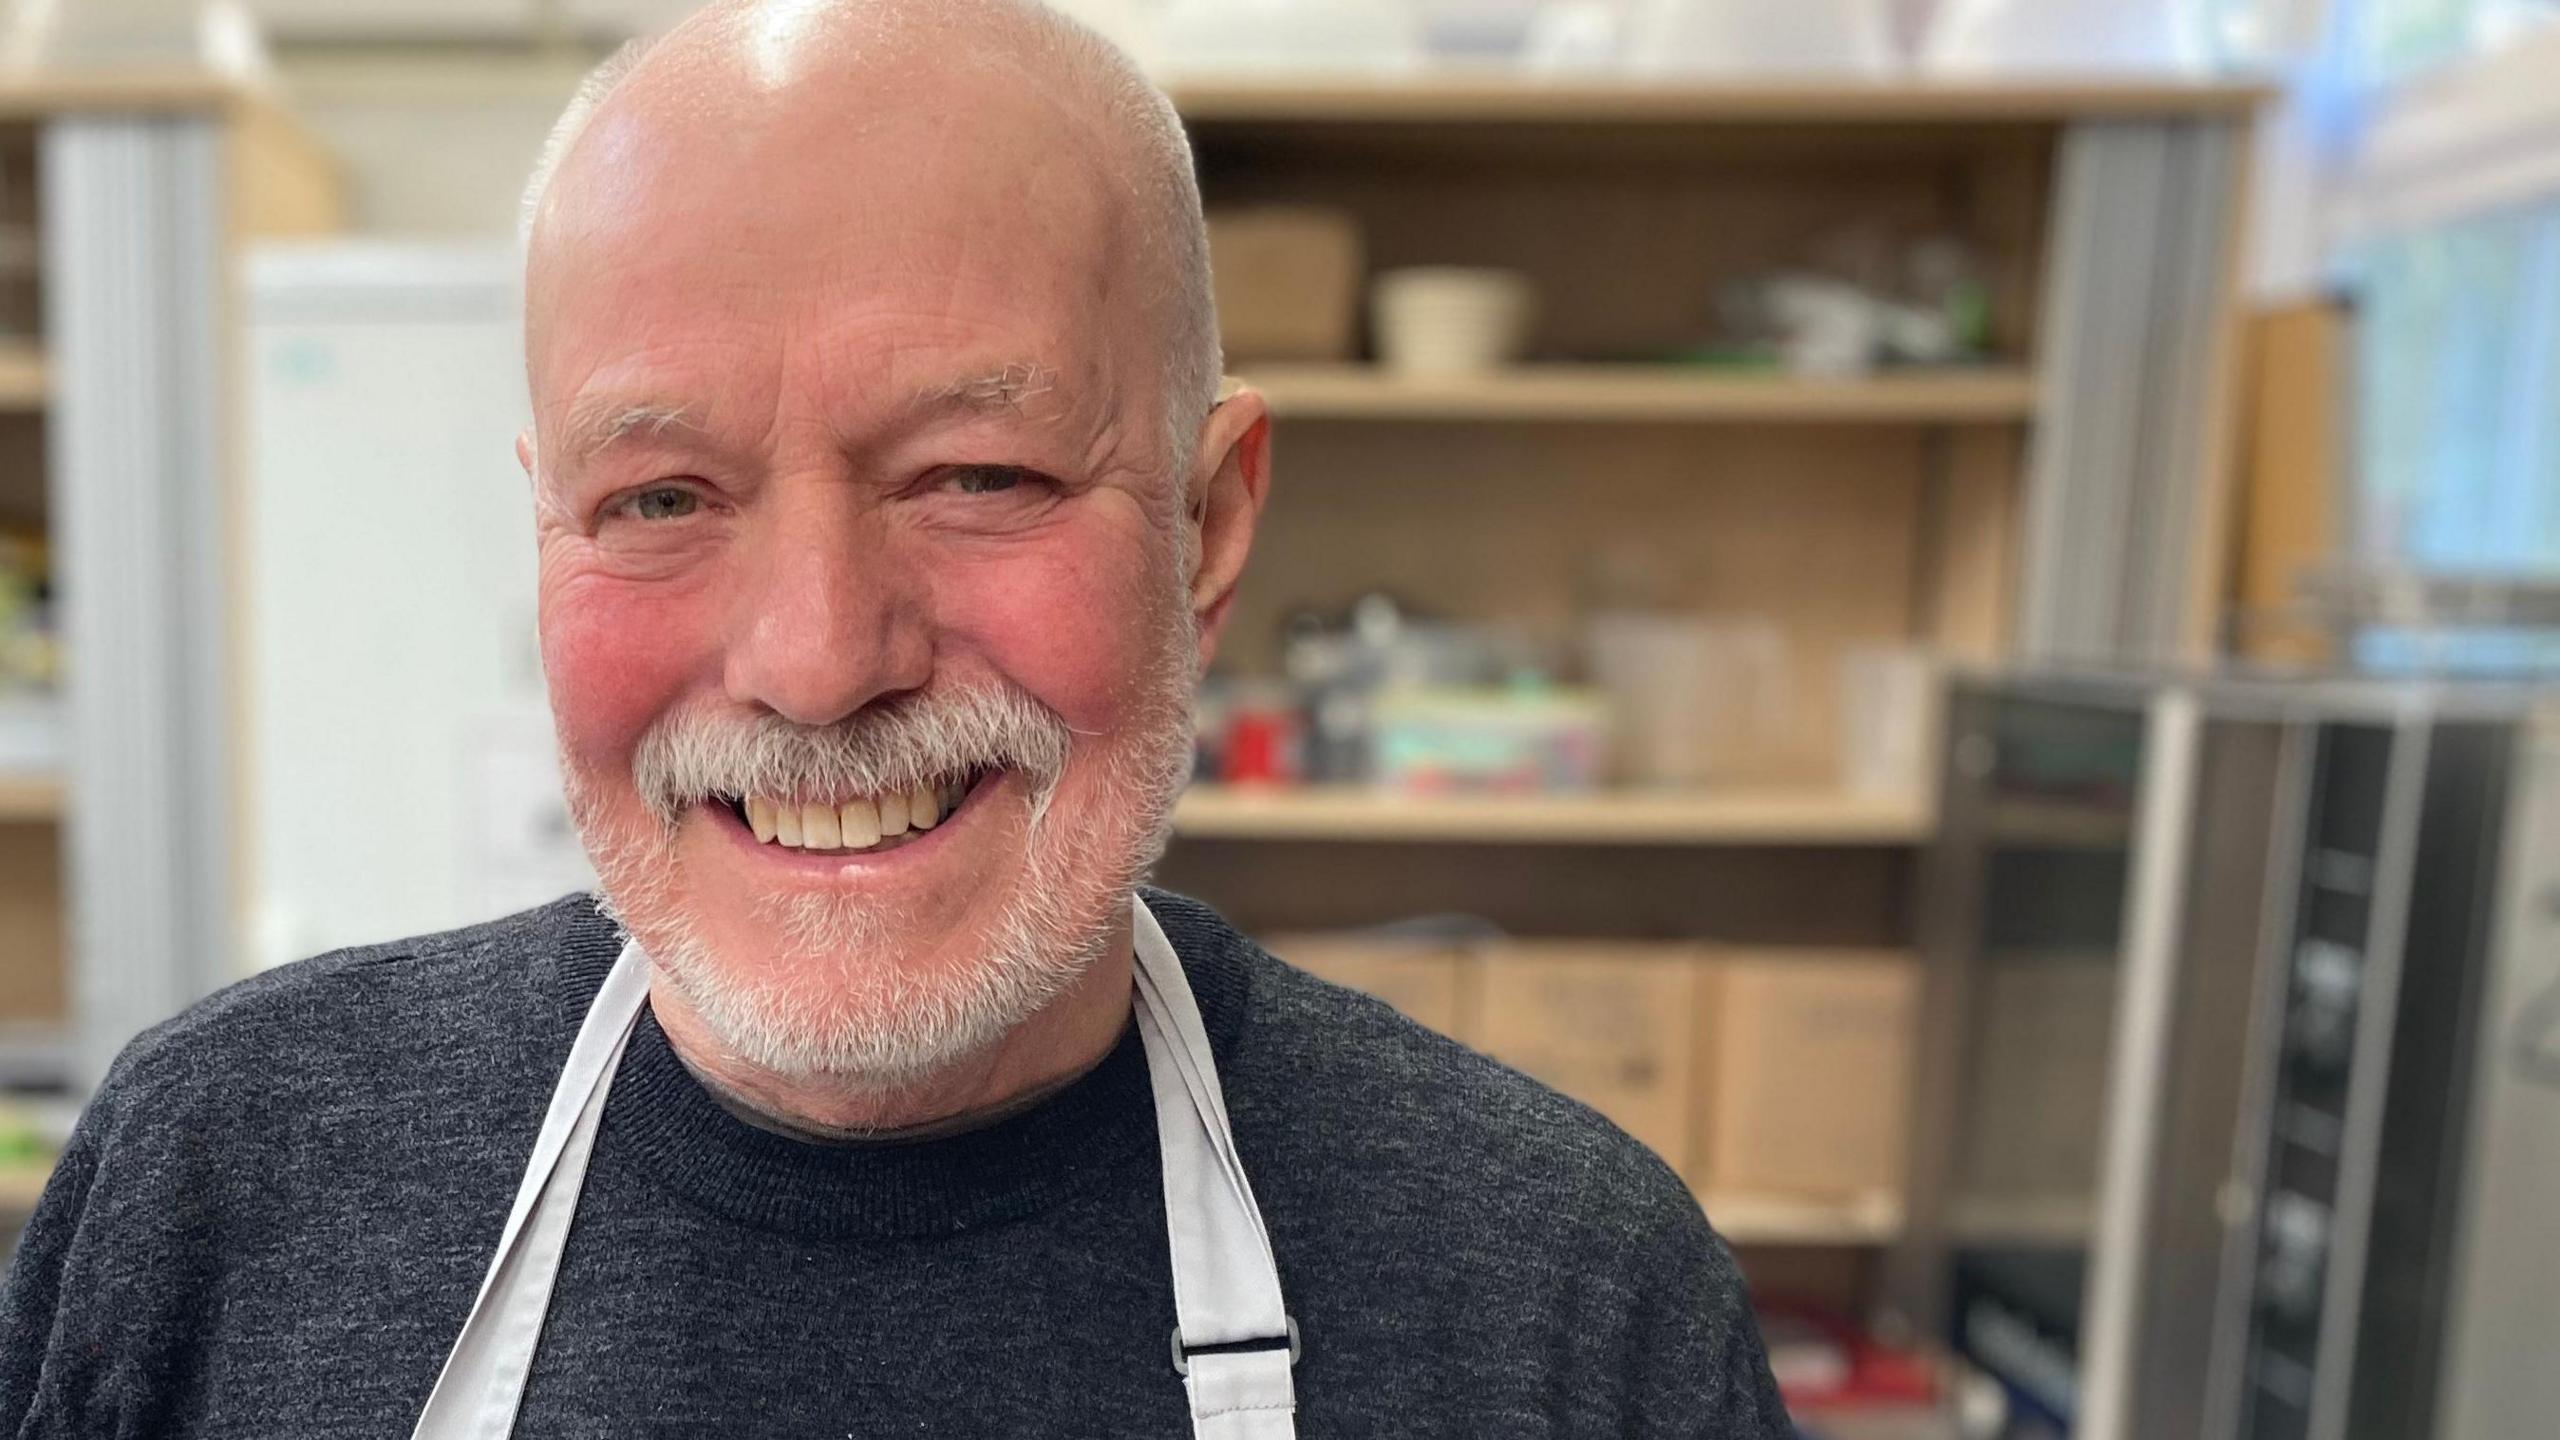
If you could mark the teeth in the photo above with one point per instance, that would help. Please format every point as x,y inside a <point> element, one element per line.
<point>861,824</point>
<point>818,828</point>
<point>855,824</point>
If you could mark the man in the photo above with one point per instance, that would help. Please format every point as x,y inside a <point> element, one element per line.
<point>887,512</point>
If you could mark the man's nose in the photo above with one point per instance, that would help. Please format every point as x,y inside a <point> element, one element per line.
<point>831,615</point>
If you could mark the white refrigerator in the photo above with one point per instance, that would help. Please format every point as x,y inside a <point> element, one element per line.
<point>397,775</point>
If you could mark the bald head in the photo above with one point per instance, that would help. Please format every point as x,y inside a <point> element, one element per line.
<point>793,106</point>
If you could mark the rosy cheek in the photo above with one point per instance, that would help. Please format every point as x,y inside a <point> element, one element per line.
<point>617,654</point>
<point>1065,622</point>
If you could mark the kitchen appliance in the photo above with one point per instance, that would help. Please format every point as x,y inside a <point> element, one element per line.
<point>2238,1109</point>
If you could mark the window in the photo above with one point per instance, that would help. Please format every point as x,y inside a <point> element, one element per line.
<point>2458,379</point>
<point>2396,39</point>
<point>2447,212</point>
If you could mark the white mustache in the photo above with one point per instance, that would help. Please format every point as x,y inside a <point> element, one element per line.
<point>699,753</point>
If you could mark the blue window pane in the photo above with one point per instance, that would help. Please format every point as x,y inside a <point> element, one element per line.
<point>2459,397</point>
<point>2458,411</point>
<point>2405,36</point>
<point>2395,40</point>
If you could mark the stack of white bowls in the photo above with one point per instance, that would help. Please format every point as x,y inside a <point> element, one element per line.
<point>1451,320</point>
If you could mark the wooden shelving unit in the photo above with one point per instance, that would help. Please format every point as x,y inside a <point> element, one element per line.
<point>1889,509</point>
<point>1708,817</point>
<point>1482,100</point>
<point>1619,393</point>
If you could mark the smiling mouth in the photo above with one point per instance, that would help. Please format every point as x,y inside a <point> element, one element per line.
<point>856,825</point>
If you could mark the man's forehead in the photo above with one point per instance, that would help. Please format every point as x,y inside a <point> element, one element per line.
<point>703,237</point>
<point>896,132</point>
<point>918,200</point>
<point>1022,389</point>
<point>932,232</point>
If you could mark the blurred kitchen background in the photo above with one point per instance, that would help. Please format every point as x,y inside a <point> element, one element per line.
<point>1943,607</point>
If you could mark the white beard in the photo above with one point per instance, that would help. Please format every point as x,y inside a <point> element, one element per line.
<point>840,1006</point>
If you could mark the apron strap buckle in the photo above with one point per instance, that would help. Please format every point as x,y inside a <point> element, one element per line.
<point>1182,1353</point>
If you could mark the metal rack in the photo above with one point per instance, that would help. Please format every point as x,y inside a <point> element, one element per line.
<point>2318,940</point>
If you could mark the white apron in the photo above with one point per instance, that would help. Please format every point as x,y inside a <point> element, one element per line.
<point>1233,1342</point>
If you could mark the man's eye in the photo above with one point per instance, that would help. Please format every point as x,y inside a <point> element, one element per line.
<point>988,479</point>
<point>662,502</point>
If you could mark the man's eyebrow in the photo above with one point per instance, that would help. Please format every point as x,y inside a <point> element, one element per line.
<point>596,426</point>
<point>1003,391</point>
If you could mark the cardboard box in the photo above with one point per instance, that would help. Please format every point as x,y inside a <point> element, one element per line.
<point>1615,1026</point>
<point>1426,982</point>
<point>1806,1086</point>
<point>1287,280</point>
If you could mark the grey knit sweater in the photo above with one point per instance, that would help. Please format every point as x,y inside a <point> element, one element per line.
<point>275,1215</point>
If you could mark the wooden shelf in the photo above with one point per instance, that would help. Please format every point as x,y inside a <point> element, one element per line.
<point>159,91</point>
<point>1634,817</point>
<point>1645,392</point>
<point>29,797</point>
<point>2021,1220</point>
<point>26,381</point>
<point>2031,823</point>
<point>1460,99</point>
<point>1744,1219</point>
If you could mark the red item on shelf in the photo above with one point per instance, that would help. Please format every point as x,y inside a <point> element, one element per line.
<point>1837,1366</point>
<point>1262,746</point>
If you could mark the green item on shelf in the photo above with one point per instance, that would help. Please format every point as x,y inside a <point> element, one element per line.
<point>21,1144</point>
<point>1968,310</point>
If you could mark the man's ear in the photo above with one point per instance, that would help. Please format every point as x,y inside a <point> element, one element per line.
<point>1231,478</point>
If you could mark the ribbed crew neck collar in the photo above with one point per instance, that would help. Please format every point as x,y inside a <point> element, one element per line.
<point>662,1120</point>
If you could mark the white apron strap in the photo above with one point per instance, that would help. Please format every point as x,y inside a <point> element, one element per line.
<point>1233,1344</point>
<point>482,1386</point>
<point>1226,1288</point>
